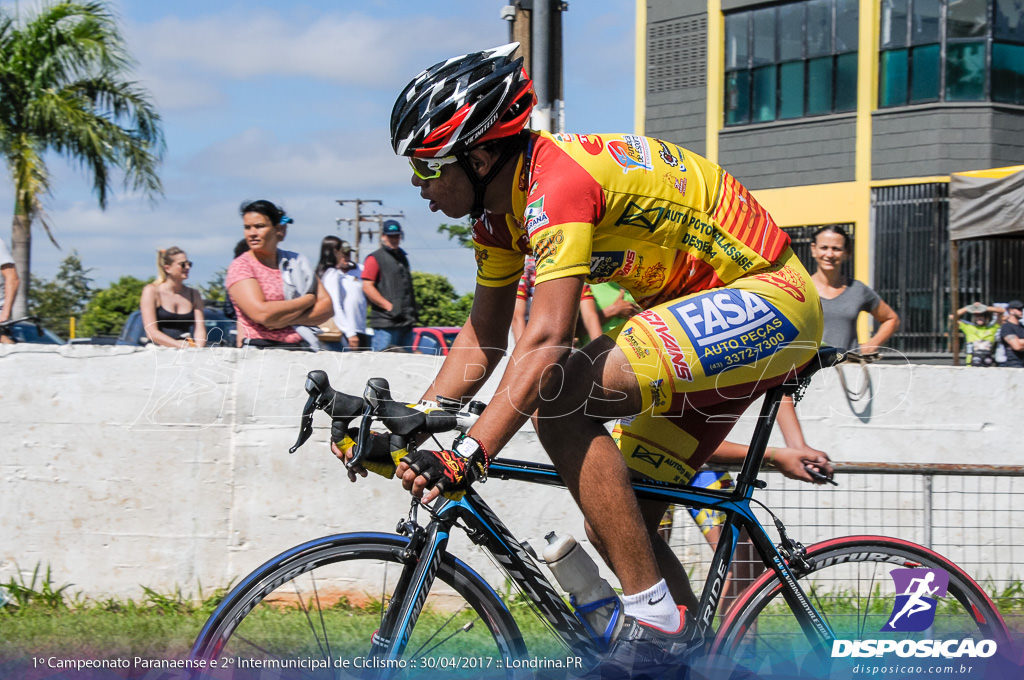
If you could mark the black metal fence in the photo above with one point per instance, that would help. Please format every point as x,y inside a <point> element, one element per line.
<point>912,265</point>
<point>971,514</point>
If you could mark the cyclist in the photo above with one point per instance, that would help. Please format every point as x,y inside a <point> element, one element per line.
<point>729,312</point>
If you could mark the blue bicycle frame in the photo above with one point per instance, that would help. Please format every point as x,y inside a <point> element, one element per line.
<point>484,528</point>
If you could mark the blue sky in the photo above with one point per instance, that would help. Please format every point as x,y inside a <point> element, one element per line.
<point>290,102</point>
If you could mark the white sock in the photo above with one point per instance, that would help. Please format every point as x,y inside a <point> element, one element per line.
<point>654,607</point>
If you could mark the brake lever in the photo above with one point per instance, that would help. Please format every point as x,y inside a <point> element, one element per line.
<point>305,423</point>
<point>323,396</point>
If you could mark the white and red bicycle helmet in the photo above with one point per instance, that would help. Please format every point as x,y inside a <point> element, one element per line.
<point>462,102</point>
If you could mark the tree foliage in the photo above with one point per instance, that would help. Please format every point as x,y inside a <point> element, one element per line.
<point>64,90</point>
<point>109,308</point>
<point>460,233</point>
<point>438,302</point>
<point>214,290</point>
<point>66,296</point>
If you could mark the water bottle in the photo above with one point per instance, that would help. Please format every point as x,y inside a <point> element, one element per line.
<point>590,595</point>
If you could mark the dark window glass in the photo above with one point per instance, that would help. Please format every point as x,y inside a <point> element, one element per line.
<point>782,61</point>
<point>1009,20</point>
<point>846,82</point>
<point>965,72</point>
<point>924,23</point>
<point>892,78</point>
<point>763,108</point>
<point>924,69</point>
<point>819,86</point>
<point>966,18</point>
<point>736,41</point>
<point>1008,73</point>
<point>791,32</point>
<point>847,17</point>
<point>791,90</point>
<point>819,28</point>
<point>737,97</point>
<point>894,23</point>
<point>764,36</point>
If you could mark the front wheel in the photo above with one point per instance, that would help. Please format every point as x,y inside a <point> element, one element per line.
<point>849,583</point>
<point>317,606</point>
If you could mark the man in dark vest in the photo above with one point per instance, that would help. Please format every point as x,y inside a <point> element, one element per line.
<point>387,283</point>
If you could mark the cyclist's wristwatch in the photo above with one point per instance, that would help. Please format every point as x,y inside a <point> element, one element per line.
<point>474,453</point>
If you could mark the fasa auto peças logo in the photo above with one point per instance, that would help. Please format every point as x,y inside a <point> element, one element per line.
<point>913,611</point>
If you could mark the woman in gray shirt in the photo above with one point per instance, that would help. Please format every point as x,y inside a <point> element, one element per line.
<point>843,299</point>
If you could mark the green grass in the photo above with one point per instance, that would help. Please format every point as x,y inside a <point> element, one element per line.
<point>41,618</point>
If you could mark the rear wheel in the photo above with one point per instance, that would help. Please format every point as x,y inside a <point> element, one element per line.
<point>319,604</point>
<point>850,585</point>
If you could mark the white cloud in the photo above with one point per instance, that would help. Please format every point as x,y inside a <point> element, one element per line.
<point>356,161</point>
<point>349,48</point>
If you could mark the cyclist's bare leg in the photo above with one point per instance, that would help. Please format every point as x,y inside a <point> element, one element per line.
<point>668,564</point>
<point>599,384</point>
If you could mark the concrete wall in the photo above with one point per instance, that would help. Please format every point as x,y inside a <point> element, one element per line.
<point>126,467</point>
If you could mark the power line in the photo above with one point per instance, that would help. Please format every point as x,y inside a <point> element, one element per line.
<point>373,234</point>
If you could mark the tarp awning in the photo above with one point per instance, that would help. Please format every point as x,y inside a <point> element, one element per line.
<point>986,203</point>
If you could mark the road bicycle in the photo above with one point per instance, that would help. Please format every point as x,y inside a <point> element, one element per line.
<point>427,609</point>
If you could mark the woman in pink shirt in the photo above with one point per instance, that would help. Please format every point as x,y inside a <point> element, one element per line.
<point>254,282</point>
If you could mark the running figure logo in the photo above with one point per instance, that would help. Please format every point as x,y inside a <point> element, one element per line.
<point>914,609</point>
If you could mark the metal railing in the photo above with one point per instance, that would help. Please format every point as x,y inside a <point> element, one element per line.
<point>971,514</point>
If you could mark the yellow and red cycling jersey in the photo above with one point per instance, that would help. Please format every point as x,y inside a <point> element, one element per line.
<point>651,216</point>
<point>528,282</point>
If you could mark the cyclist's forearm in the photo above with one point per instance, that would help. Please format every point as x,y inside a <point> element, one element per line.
<point>789,424</point>
<point>529,374</point>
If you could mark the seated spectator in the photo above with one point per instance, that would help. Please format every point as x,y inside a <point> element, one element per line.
<point>8,287</point>
<point>342,279</point>
<point>1011,335</point>
<point>172,313</point>
<point>979,333</point>
<point>273,290</point>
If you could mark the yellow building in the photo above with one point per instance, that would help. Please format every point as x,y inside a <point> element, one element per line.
<point>852,112</point>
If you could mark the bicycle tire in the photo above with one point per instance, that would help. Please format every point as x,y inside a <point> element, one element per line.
<point>850,586</point>
<point>311,590</point>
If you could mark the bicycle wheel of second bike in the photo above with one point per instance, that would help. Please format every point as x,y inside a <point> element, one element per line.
<point>314,609</point>
<point>850,585</point>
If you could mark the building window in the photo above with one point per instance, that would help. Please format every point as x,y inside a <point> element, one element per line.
<point>790,61</point>
<point>951,50</point>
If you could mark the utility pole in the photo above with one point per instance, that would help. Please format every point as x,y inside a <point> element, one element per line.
<point>537,26</point>
<point>373,234</point>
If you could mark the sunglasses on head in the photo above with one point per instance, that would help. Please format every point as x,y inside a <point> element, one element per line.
<point>430,168</point>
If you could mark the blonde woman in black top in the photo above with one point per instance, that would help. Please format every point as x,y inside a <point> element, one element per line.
<point>172,313</point>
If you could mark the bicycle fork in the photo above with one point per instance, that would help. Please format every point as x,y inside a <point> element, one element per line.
<point>781,560</point>
<point>422,560</point>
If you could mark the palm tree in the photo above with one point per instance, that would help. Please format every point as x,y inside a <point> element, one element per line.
<point>63,88</point>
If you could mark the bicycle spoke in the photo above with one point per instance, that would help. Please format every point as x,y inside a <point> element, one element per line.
<point>305,610</point>
<point>437,632</point>
<point>383,595</point>
<point>267,653</point>
<point>320,611</point>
